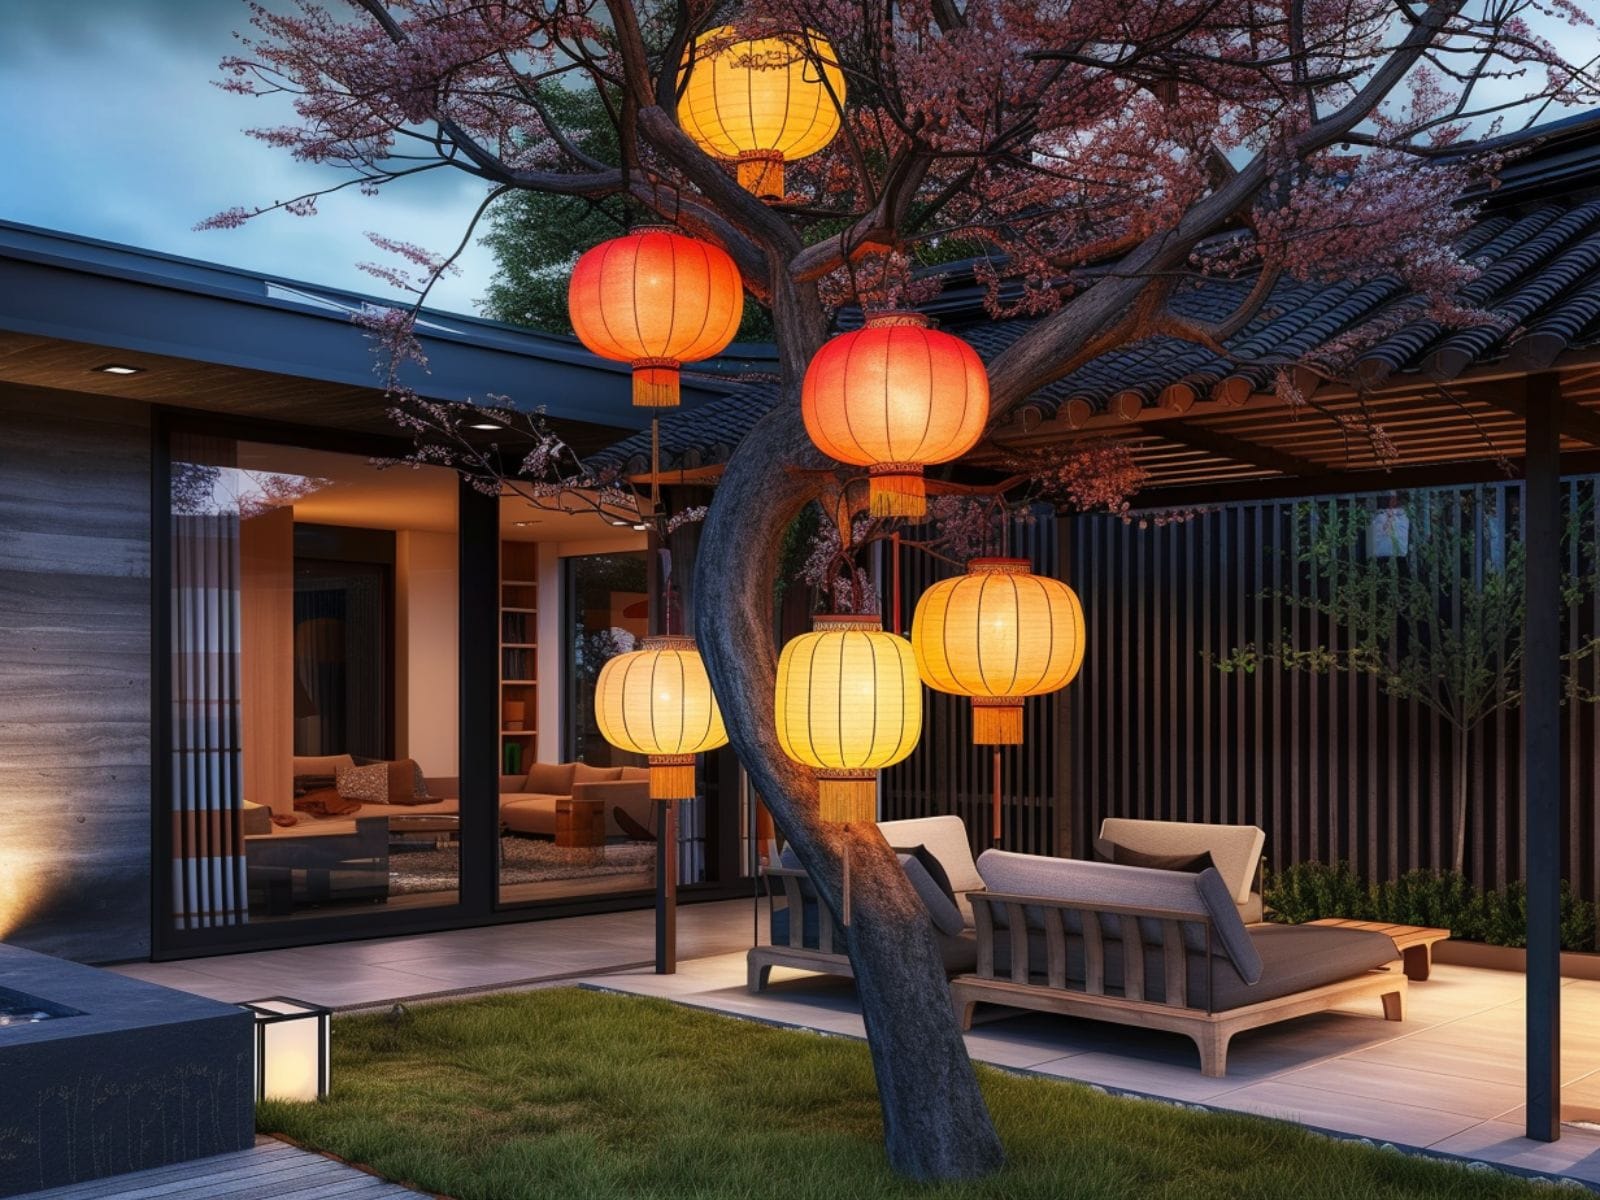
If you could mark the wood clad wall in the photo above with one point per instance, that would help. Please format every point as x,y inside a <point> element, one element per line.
<point>75,857</point>
<point>1329,766</point>
<point>947,773</point>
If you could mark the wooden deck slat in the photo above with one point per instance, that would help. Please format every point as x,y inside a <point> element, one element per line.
<point>268,1170</point>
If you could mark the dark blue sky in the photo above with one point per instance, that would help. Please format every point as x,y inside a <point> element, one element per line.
<point>115,131</point>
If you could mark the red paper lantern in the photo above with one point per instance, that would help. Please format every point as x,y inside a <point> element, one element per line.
<point>894,397</point>
<point>655,299</point>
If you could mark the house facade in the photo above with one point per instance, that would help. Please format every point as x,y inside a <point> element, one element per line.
<point>215,606</point>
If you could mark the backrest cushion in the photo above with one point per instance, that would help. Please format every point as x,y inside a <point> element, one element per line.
<point>946,839</point>
<point>635,774</point>
<point>584,773</point>
<point>1236,849</point>
<point>942,910</point>
<point>550,779</point>
<point>1090,883</point>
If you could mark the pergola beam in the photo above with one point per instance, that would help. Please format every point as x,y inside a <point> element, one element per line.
<point>1572,419</point>
<point>1237,449</point>
<point>1541,751</point>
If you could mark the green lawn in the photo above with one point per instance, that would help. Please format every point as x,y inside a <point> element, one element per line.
<point>570,1094</point>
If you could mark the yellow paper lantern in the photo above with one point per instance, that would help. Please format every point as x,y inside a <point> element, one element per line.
<point>998,634</point>
<point>761,101</point>
<point>657,701</point>
<point>848,704</point>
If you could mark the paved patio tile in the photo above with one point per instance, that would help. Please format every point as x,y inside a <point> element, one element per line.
<point>1389,1121</point>
<point>1577,1153</point>
<point>1382,1082</point>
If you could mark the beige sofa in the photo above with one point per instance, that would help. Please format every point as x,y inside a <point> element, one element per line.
<point>528,802</point>
<point>1235,851</point>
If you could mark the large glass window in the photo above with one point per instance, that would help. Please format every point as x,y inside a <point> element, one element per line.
<point>314,677</point>
<point>576,817</point>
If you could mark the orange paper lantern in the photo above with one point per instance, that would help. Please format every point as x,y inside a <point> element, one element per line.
<point>895,396</point>
<point>655,299</point>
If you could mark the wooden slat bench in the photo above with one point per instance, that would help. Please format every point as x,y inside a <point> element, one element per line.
<point>1046,987</point>
<point>827,957</point>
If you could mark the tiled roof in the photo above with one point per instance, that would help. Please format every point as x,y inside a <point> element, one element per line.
<point>1540,260</point>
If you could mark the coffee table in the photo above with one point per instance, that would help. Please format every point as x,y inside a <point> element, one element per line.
<point>1415,942</point>
<point>442,827</point>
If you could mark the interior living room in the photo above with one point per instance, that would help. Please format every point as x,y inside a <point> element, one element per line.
<point>315,602</point>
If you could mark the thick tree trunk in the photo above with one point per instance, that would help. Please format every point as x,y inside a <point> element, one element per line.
<point>935,1123</point>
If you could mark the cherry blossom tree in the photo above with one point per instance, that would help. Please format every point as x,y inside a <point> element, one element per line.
<point>1098,155</point>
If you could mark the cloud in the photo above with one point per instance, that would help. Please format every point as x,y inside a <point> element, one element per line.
<point>128,140</point>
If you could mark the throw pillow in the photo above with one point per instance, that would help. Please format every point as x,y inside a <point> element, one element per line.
<point>1192,864</point>
<point>304,784</point>
<point>942,910</point>
<point>932,866</point>
<point>550,779</point>
<point>406,785</point>
<point>367,785</point>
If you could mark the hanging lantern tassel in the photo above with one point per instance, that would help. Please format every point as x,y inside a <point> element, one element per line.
<point>847,795</point>
<point>760,173</point>
<point>897,490</point>
<point>672,777</point>
<point>996,721</point>
<point>655,382</point>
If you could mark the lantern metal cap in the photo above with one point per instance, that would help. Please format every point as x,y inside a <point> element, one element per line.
<point>999,566</point>
<point>844,622</point>
<point>654,227</point>
<point>668,641</point>
<point>889,317</point>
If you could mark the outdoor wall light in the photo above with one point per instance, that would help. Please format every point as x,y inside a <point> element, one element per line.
<point>486,426</point>
<point>291,1048</point>
<point>119,369</point>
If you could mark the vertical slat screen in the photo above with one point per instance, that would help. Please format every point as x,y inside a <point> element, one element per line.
<point>947,773</point>
<point>1329,765</point>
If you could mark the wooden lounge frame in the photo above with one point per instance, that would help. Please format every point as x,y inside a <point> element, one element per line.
<point>823,958</point>
<point>1193,1017</point>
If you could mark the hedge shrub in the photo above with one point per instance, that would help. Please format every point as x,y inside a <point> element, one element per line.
<point>1442,899</point>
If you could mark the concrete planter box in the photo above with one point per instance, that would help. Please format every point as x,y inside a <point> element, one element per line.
<point>1574,964</point>
<point>124,1075</point>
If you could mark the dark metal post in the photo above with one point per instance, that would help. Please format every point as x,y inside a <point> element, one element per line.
<point>1541,753</point>
<point>666,887</point>
<point>479,644</point>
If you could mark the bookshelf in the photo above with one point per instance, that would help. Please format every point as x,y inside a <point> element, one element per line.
<point>519,668</point>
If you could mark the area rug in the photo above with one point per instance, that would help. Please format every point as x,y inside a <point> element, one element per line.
<point>424,868</point>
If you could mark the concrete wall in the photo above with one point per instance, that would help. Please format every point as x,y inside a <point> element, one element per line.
<point>75,860</point>
<point>426,653</point>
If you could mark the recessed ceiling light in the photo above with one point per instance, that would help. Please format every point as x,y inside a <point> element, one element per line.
<point>485,425</point>
<point>119,369</point>
<point>524,524</point>
<point>619,524</point>
<point>641,528</point>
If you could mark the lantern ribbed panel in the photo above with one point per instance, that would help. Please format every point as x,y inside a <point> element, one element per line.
<point>655,298</point>
<point>761,100</point>
<point>848,699</point>
<point>895,396</point>
<point>658,702</point>
<point>999,632</point>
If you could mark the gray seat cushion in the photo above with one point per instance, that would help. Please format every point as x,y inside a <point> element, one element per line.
<point>1294,958</point>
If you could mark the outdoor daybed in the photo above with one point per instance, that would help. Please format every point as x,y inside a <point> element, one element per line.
<point>802,929</point>
<point>1158,949</point>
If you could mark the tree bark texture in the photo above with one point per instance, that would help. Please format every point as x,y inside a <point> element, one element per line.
<point>935,1123</point>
